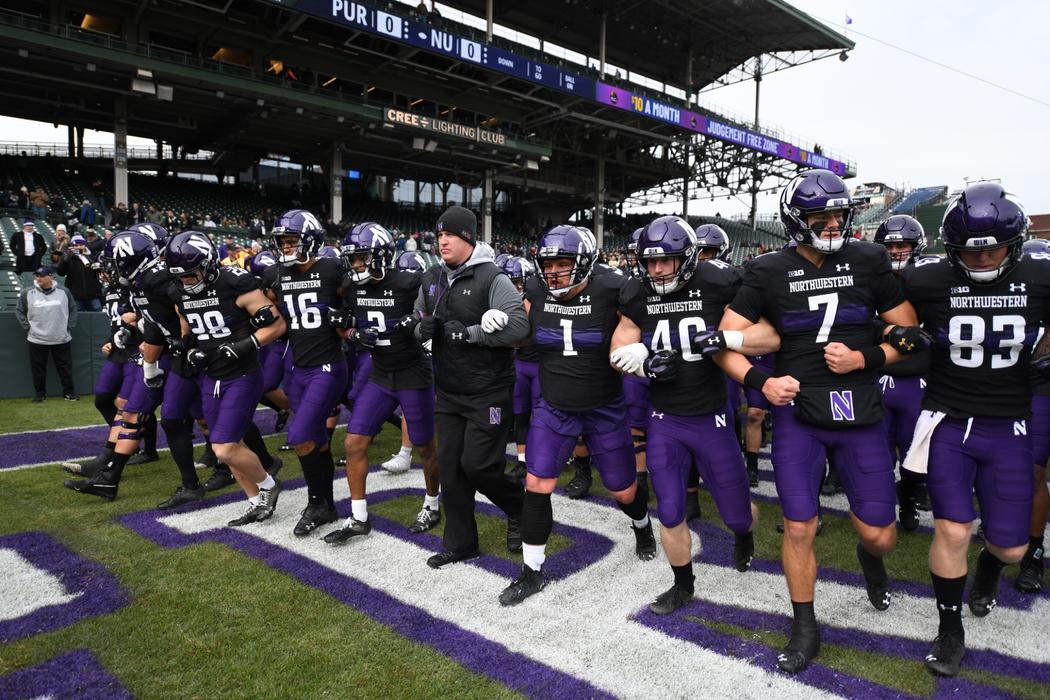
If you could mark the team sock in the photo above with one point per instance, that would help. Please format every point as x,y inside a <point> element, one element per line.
<point>949,595</point>
<point>683,577</point>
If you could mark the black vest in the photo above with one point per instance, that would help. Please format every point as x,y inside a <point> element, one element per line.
<point>468,369</point>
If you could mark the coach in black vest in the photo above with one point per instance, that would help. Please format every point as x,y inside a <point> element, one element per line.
<point>474,316</point>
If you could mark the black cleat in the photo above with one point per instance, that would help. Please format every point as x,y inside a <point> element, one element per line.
<point>219,479</point>
<point>87,469</point>
<point>984,590</point>
<point>1030,577</point>
<point>921,496</point>
<point>802,647</point>
<point>513,534</point>
<point>743,551</point>
<point>314,516</point>
<point>875,579</point>
<point>262,510</point>
<point>143,458</point>
<point>909,515</point>
<point>528,583</point>
<point>281,420</point>
<point>752,476</point>
<point>207,460</point>
<point>440,559</point>
<point>831,484</point>
<point>670,600</point>
<point>644,542</point>
<point>182,496</point>
<point>100,485</point>
<point>353,528</point>
<point>947,654</point>
<point>286,447</point>
<point>275,466</point>
<point>580,485</point>
<point>341,462</point>
<point>692,505</point>
<point>426,519</point>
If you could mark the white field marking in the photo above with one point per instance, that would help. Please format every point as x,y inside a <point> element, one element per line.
<point>579,625</point>
<point>28,588</point>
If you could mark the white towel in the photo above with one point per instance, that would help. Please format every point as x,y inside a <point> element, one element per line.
<point>918,456</point>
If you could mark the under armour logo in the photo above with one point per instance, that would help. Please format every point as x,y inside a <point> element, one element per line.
<point>457,336</point>
<point>694,293</point>
<point>1017,287</point>
<point>213,293</point>
<point>842,268</point>
<point>658,415</point>
<point>315,275</point>
<point>585,299</point>
<point>466,292</point>
<point>388,292</point>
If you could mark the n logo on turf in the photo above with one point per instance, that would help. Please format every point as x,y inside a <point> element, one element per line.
<point>1020,428</point>
<point>842,406</point>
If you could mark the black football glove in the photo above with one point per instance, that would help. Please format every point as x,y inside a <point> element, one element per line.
<point>455,333</point>
<point>122,336</point>
<point>238,348</point>
<point>180,346</point>
<point>708,344</point>
<point>660,366</point>
<point>367,337</point>
<point>341,318</point>
<point>908,340</point>
<point>407,324</point>
<point>429,327</point>
<point>197,359</point>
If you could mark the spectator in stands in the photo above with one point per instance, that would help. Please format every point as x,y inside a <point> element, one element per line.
<point>208,223</point>
<point>48,313</point>
<point>184,222</point>
<point>236,256</point>
<point>86,216</point>
<point>38,202</point>
<point>60,243</point>
<point>22,198</point>
<point>58,204</point>
<point>169,220</point>
<point>226,246</point>
<point>154,216</point>
<point>257,229</point>
<point>118,220</point>
<point>136,215</point>
<point>95,244</point>
<point>28,247</point>
<point>412,242</point>
<point>81,280</point>
<point>100,195</point>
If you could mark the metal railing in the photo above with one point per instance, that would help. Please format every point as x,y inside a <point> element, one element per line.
<point>61,150</point>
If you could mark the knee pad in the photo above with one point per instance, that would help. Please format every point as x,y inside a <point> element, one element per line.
<point>670,514</point>
<point>130,430</point>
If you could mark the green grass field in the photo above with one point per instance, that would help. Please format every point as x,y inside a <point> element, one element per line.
<point>208,621</point>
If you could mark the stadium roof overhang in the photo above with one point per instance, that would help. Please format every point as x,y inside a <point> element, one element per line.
<point>655,37</point>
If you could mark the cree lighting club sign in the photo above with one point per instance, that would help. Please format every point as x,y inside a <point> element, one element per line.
<point>396,117</point>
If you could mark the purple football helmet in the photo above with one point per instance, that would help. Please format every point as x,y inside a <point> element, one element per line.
<point>901,228</point>
<point>713,236</point>
<point>500,259</point>
<point>565,241</point>
<point>126,255</point>
<point>257,264</point>
<point>301,223</point>
<point>328,251</point>
<point>193,253</point>
<point>1036,246</point>
<point>410,261</point>
<point>158,233</point>
<point>667,237</point>
<point>519,270</point>
<point>815,192</point>
<point>376,244</point>
<point>983,217</point>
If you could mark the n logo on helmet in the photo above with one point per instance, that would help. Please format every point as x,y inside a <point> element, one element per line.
<point>200,243</point>
<point>123,247</point>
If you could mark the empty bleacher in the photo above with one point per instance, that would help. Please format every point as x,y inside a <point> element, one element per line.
<point>917,198</point>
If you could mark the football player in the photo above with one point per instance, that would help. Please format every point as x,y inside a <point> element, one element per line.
<point>225,318</point>
<point>526,369</point>
<point>903,382</point>
<point>984,304</point>
<point>688,422</point>
<point>1030,577</point>
<point>306,286</point>
<point>821,296</point>
<point>573,315</point>
<point>376,297</point>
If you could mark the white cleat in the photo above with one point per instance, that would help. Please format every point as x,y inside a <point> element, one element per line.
<point>398,463</point>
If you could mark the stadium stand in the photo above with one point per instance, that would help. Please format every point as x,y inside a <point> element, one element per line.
<point>916,198</point>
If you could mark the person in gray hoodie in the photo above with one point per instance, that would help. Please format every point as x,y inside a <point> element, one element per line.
<point>48,313</point>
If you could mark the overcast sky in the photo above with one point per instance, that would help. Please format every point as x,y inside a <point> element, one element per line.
<point>903,120</point>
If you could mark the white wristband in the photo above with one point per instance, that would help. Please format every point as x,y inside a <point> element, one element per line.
<point>734,339</point>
